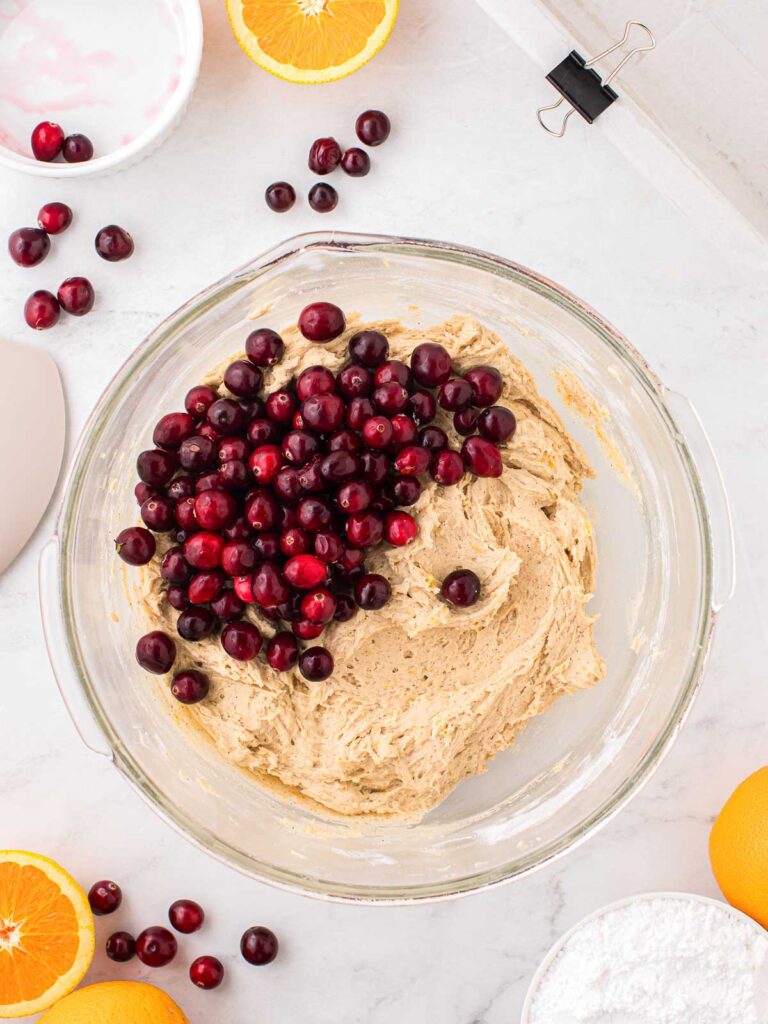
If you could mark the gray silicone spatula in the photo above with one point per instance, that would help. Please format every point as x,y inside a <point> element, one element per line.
<point>33,422</point>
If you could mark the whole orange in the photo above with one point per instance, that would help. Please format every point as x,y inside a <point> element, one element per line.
<point>738,847</point>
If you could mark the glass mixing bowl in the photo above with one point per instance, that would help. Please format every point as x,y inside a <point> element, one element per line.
<point>666,566</point>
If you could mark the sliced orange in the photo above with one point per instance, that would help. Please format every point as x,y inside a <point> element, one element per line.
<point>46,933</point>
<point>312,41</point>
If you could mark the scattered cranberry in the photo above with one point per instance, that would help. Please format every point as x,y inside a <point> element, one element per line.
<point>141,492</point>
<point>76,296</point>
<point>195,624</point>
<point>226,416</point>
<point>156,946</point>
<point>206,972</point>
<point>316,664</point>
<point>243,587</point>
<point>29,246</point>
<point>306,630</point>
<point>464,422</point>
<point>328,546</point>
<point>259,946</point>
<point>413,460</point>
<point>135,545</point>
<point>497,424</point>
<point>323,413</point>
<point>241,640</point>
<point>321,321</point>
<point>431,364</point>
<point>352,562</point>
<point>230,449</point>
<point>264,347</point>
<point>433,438</point>
<point>324,156</point>
<point>372,592</point>
<point>339,465</point>
<point>400,528</point>
<point>186,916</point>
<point>177,597</point>
<point>156,652</point>
<point>455,394</point>
<point>42,310</point>
<point>121,947</point>
<point>280,407</point>
<point>243,379</point>
<point>47,141</point>
<point>54,218</point>
<point>188,688</point>
<point>373,127</point>
<point>482,457</point>
<point>369,348</point>
<point>356,163</point>
<point>323,198</point>
<point>105,897</point>
<point>486,384</point>
<point>77,149</point>
<point>376,467</point>
<point>282,652</point>
<point>315,380</point>
<point>447,467</point>
<point>355,496</point>
<point>314,513</point>
<point>280,196</point>
<point>461,588</point>
<point>114,244</point>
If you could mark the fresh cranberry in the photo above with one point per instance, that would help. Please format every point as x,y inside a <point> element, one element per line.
<point>376,467</point>
<point>188,687</point>
<point>282,652</point>
<point>486,384</point>
<point>324,156</point>
<point>263,431</point>
<point>306,630</point>
<point>114,244</point>
<point>305,571</point>
<point>323,413</point>
<point>321,321</point>
<point>339,466</point>
<point>141,492</point>
<point>310,476</point>
<point>156,652</point>
<point>234,475</point>
<point>355,381</point>
<point>315,380</point>
<point>42,310</point>
<point>121,947</point>
<point>299,446</point>
<point>269,586</point>
<point>156,467</point>
<point>405,490</point>
<point>286,484</point>
<point>239,530</point>
<point>373,127</point>
<point>174,567</point>
<point>262,510</point>
<point>178,597</point>
<point>355,496</point>
<point>358,411</point>
<point>230,448</point>
<point>47,140</point>
<point>77,148</point>
<point>356,162</point>
<point>195,623</point>
<point>76,296</point>
<point>314,513</point>
<point>156,946</point>
<point>447,467</point>
<point>318,605</point>
<point>181,487</point>
<point>404,430</point>
<point>423,406</point>
<point>186,916</point>
<point>413,460</point>
<point>461,588</point>
<point>390,398</point>
<point>198,401</point>
<point>226,416</point>
<point>378,432</point>
<point>259,946</point>
<point>215,509</point>
<point>265,462</point>
<point>205,586</point>
<point>264,347</point>
<point>464,422</point>
<point>281,405</point>
<point>54,218</point>
<point>243,378</point>
<point>267,543</point>
<point>203,550</point>
<point>323,198</point>
<point>184,512</point>
<point>295,541</point>
<point>197,454</point>
<point>28,246</point>
<point>383,500</point>
<point>290,609</point>
<point>228,607</point>
<point>433,438</point>
<point>372,592</point>
<point>206,972</point>
<point>316,664</point>
<point>393,371</point>
<point>365,529</point>
<point>482,457</point>
<point>368,348</point>
<point>172,429</point>
<point>241,640</point>
<point>346,608</point>
<point>431,364</point>
<point>238,557</point>
<point>344,440</point>
<point>400,528</point>
<point>352,563</point>
<point>497,424</point>
<point>280,196</point>
<point>328,545</point>
<point>135,545</point>
<point>243,586</point>
<point>455,394</point>
<point>105,897</point>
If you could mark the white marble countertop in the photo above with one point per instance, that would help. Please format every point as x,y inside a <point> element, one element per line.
<point>466,162</point>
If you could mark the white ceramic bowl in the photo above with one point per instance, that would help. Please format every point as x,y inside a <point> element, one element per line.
<point>122,74</point>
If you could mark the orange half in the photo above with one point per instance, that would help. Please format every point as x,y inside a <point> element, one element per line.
<point>312,41</point>
<point>46,933</point>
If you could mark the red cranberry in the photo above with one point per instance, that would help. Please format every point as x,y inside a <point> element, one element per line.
<point>323,198</point>
<point>404,430</point>
<point>365,529</point>
<point>306,630</point>
<point>230,448</point>
<point>156,946</point>
<point>328,546</point>
<point>378,432</point>
<point>316,664</point>
<point>372,592</point>
<point>265,462</point>
<point>315,380</point>
<point>355,381</point>
<point>121,947</point>
<point>156,652</point>
<point>497,424</point>
<point>373,127</point>
<point>28,246</point>
<point>393,371</point>
<point>264,347</point>
<point>318,605</point>
<point>324,156</point>
<point>346,608</point>
<point>431,364</point>
<point>423,406</point>
<point>287,485</point>
<point>243,378</point>
<point>243,586</point>
<point>197,453</point>
<point>344,440</point>
<point>158,513</point>
<point>400,528</point>
<point>234,475</point>
<point>203,550</point>
<point>383,501</point>
<point>262,510</point>
<point>47,140</point>
<point>447,467</point>
<point>280,196</point>
<point>305,571</point>
<point>323,413</point>
<point>172,429</point>
<point>181,487</point>
<point>206,972</point>
<point>135,545</point>
<point>339,466</point>
<point>486,384</point>
<point>482,457</point>
<point>358,411</point>
<point>269,586</point>
<point>41,310</point>
<point>433,438</point>
<point>376,467</point>
<point>177,597</point>
<point>405,490</point>
<point>141,492</point>
<point>186,916</point>
<point>226,416</point>
<point>282,652</point>
<point>352,562</point>
<point>156,467</point>
<point>295,541</point>
<point>390,398</point>
<point>259,946</point>
<point>77,148</point>
<point>299,446</point>
<point>369,348</point>
<point>215,509</point>
<point>314,513</point>
<point>228,607</point>
<point>310,477</point>
<point>241,640</point>
<point>290,610</point>
<point>464,422</point>
<point>198,401</point>
<point>263,431</point>
<point>281,405</point>
<point>185,513</point>
<point>188,688</point>
<point>321,321</point>
<point>114,244</point>
<point>413,460</point>
<point>76,296</point>
<point>174,568</point>
<point>105,897</point>
<point>237,558</point>
<point>54,218</point>
<point>195,624</point>
<point>455,394</point>
<point>461,588</point>
<point>355,496</point>
<point>205,586</point>
<point>356,162</point>
<point>239,530</point>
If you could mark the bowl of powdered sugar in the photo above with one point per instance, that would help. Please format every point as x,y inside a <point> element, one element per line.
<point>660,958</point>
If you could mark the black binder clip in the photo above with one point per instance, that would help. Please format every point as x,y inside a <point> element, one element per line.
<point>580,85</point>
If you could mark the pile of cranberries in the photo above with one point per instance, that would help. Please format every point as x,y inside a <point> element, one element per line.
<point>29,246</point>
<point>157,946</point>
<point>274,500</point>
<point>49,141</point>
<point>325,155</point>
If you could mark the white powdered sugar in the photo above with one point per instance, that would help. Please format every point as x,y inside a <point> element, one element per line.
<point>660,960</point>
